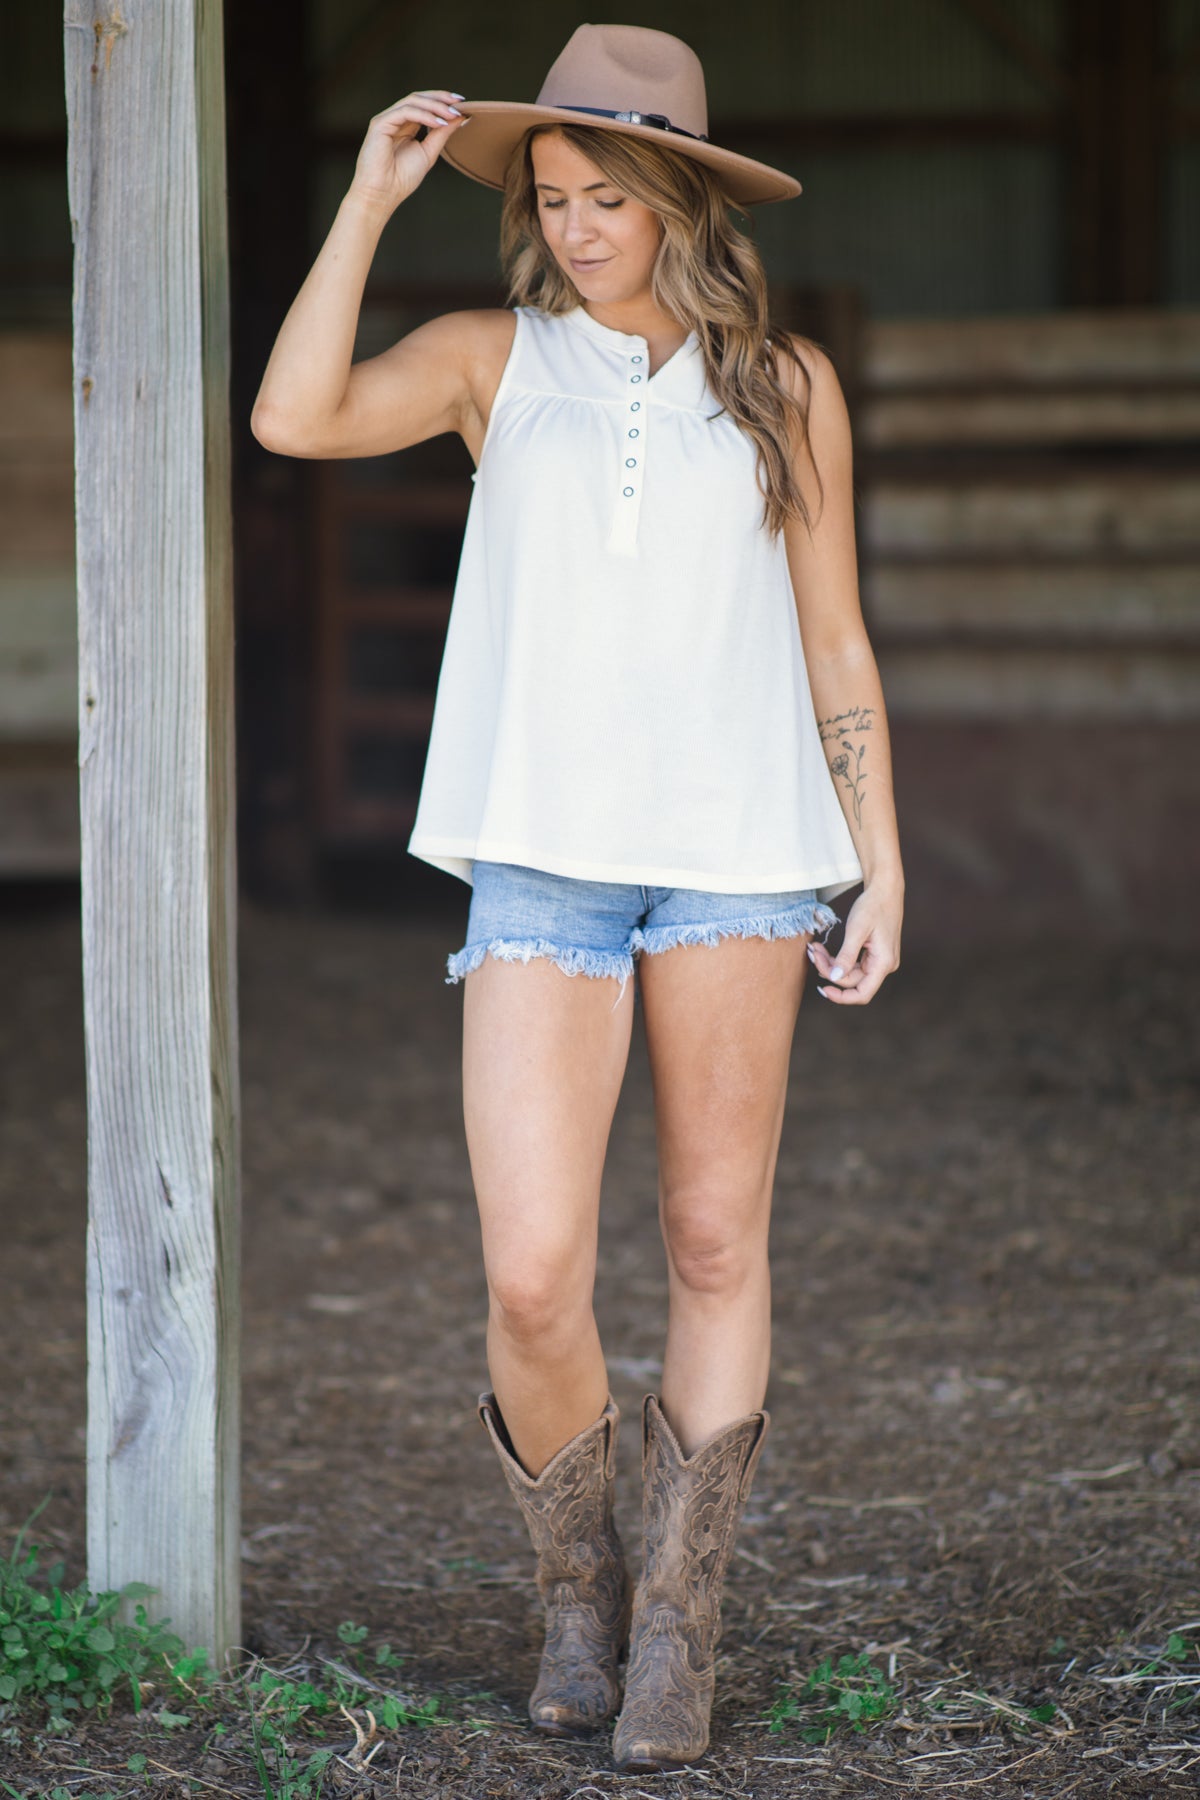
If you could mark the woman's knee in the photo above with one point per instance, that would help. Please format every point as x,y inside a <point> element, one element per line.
<point>538,1300</point>
<point>712,1247</point>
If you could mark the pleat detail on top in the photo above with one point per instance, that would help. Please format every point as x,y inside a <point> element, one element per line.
<point>623,694</point>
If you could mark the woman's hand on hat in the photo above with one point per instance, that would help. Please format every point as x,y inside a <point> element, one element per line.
<point>393,161</point>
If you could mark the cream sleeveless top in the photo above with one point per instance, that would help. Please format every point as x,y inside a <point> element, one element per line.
<point>623,693</point>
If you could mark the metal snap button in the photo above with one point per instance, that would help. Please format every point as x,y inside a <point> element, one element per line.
<point>627,491</point>
<point>635,378</point>
<point>631,462</point>
<point>635,406</point>
<point>633,432</point>
<point>635,359</point>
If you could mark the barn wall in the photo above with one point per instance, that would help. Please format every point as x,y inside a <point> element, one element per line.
<point>919,230</point>
<point>938,186</point>
<point>1181,283</point>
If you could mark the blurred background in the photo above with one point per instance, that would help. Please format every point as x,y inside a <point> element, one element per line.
<point>988,1283</point>
<point>998,243</point>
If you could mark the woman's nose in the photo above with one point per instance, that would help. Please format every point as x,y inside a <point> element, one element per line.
<point>578,228</point>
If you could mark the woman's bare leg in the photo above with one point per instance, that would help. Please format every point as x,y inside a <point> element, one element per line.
<point>719,1026</point>
<point>544,1054</point>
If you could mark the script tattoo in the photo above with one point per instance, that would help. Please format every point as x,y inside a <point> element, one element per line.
<point>847,764</point>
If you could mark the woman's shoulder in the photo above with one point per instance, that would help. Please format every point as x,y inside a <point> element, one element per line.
<point>479,330</point>
<point>480,340</point>
<point>809,375</point>
<point>803,366</point>
<point>484,339</point>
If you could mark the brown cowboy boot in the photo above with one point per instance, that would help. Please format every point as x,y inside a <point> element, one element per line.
<point>581,1572</point>
<point>691,1509</point>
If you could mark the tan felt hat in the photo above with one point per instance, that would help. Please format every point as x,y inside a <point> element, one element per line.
<point>619,78</point>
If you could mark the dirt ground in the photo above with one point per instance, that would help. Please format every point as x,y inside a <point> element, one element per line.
<point>984,1462</point>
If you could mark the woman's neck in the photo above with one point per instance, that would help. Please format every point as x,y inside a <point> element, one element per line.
<point>640,317</point>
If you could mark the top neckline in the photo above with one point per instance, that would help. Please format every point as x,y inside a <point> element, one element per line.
<point>622,340</point>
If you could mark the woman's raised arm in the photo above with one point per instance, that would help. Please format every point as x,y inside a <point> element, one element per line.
<point>313,401</point>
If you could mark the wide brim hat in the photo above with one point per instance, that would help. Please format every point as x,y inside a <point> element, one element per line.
<point>624,78</point>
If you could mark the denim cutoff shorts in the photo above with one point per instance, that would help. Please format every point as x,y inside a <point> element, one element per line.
<point>596,927</point>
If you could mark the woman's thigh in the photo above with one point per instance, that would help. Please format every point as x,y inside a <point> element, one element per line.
<point>544,1054</point>
<point>720,1020</point>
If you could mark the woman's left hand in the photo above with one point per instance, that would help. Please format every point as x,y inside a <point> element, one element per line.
<point>869,951</point>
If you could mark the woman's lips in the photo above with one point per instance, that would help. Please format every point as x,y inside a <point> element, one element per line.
<point>589,262</point>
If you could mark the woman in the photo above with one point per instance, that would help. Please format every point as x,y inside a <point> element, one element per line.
<point>659,749</point>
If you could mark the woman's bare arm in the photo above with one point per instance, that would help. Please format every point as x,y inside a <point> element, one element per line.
<point>313,401</point>
<point>846,689</point>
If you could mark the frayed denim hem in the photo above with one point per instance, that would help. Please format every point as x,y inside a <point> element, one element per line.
<point>813,917</point>
<point>572,961</point>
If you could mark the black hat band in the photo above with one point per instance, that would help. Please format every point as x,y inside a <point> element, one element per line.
<point>637,118</point>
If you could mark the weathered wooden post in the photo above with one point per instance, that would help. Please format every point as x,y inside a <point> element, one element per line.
<point>147,194</point>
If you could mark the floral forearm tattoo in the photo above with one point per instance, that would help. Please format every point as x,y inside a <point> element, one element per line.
<point>843,730</point>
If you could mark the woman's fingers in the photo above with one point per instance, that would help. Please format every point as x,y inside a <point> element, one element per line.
<point>858,985</point>
<point>869,951</point>
<point>418,94</point>
<point>845,967</point>
<point>821,960</point>
<point>404,141</point>
<point>399,124</point>
<point>418,115</point>
<point>437,106</point>
<point>857,981</point>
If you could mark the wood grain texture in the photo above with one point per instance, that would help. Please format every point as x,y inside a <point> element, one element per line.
<point>158,865</point>
<point>1106,347</point>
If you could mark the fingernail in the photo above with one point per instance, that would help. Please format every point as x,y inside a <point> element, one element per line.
<point>824,993</point>
<point>458,96</point>
<point>836,973</point>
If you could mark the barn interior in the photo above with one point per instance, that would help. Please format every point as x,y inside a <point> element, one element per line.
<point>997,245</point>
<point>984,1471</point>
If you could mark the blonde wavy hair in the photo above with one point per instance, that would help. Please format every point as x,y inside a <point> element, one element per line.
<point>708,275</point>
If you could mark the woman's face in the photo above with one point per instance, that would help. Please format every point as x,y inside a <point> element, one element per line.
<point>604,239</point>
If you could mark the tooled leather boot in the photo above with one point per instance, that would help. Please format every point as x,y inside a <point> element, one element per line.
<point>582,1576</point>
<point>691,1509</point>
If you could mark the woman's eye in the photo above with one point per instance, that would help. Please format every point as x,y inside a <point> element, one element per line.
<point>610,204</point>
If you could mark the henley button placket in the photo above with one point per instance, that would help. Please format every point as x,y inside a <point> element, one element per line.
<point>622,537</point>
